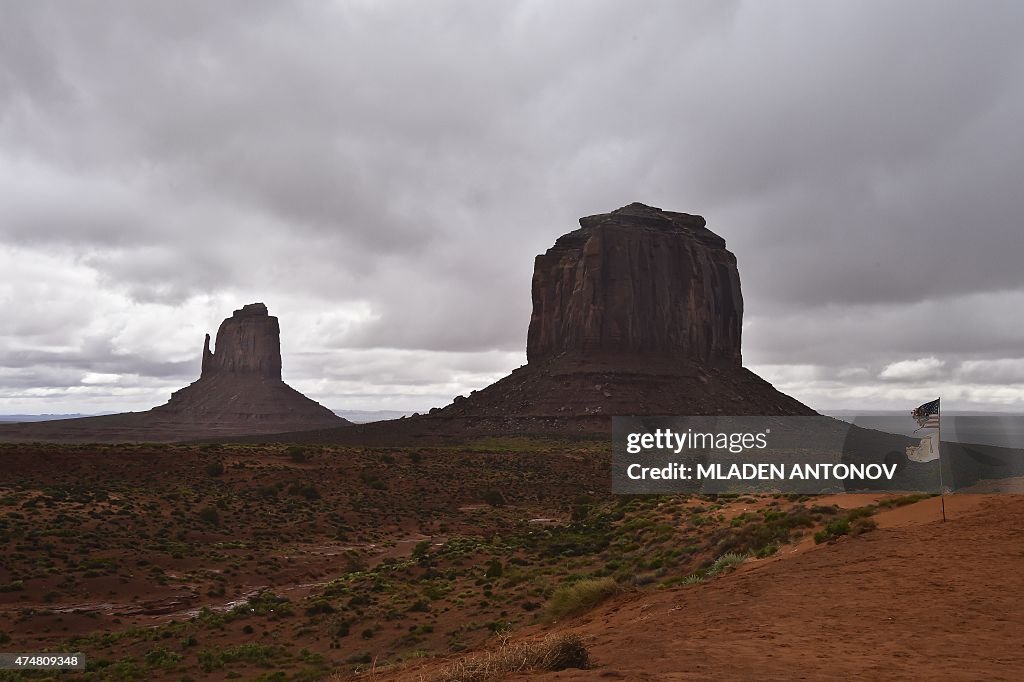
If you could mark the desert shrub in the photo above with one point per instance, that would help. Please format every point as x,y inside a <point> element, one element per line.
<point>494,569</point>
<point>583,595</point>
<point>209,516</point>
<point>493,497</point>
<point>726,562</point>
<point>319,606</point>
<point>904,500</point>
<point>421,549</point>
<point>832,529</point>
<point>862,525</point>
<point>298,454</point>
<point>555,652</point>
<point>373,479</point>
<point>304,490</point>
<point>215,469</point>
<point>161,658</point>
<point>265,603</point>
<point>691,579</point>
<point>257,654</point>
<point>775,529</point>
<point>860,513</point>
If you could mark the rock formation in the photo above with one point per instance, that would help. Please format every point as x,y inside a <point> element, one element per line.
<point>239,392</point>
<point>240,387</point>
<point>638,281</point>
<point>248,342</point>
<point>637,312</point>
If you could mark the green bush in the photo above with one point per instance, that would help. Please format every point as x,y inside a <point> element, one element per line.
<point>319,606</point>
<point>421,549</point>
<point>209,516</point>
<point>494,569</point>
<point>161,658</point>
<point>298,454</point>
<point>493,497</point>
<point>832,529</point>
<point>581,596</point>
<point>215,468</point>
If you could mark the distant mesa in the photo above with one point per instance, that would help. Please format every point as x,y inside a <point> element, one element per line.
<point>637,312</point>
<point>239,392</point>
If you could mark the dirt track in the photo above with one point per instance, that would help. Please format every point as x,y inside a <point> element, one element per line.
<point>915,599</point>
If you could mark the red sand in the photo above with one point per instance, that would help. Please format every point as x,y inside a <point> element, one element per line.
<point>915,599</point>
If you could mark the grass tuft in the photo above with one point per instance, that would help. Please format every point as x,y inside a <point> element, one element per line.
<point>555,652</point>
<point>580,596</point>
<point>726,563</point>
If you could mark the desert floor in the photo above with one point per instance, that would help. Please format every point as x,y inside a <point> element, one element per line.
<point>308,562</point>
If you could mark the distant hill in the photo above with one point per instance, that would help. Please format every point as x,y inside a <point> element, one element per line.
<point>367,416</point>
<point>14,418</point>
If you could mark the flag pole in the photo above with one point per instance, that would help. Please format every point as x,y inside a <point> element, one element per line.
<point>938,445</point>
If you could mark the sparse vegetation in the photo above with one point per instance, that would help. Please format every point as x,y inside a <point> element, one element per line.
<point>389,557</point>
<point>858,521</point>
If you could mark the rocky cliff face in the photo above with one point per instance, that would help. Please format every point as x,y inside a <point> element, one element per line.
<point>638,281</point>
<point>248,342</point>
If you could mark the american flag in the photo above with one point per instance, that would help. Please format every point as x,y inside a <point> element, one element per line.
<point>927,415</point>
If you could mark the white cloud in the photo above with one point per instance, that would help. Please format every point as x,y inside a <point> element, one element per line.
<point>913,370</point>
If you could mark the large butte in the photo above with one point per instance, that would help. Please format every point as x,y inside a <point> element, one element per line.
<point>637,312</point>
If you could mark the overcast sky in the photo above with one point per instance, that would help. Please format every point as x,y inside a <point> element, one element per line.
<point>381,175</point>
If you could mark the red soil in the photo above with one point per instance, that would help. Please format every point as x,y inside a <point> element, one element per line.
<point>915,599</point>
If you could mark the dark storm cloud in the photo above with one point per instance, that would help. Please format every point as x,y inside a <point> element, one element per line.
<point>384,173</point>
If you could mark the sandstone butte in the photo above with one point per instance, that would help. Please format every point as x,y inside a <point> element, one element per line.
<point>637,312</point>
<point>239,392</point>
